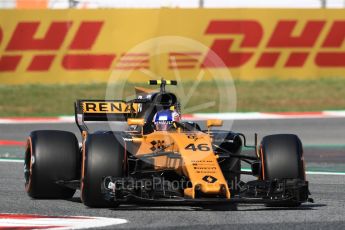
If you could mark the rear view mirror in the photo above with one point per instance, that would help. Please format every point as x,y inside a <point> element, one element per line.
<point>136,121</point>
<point>214,122</point>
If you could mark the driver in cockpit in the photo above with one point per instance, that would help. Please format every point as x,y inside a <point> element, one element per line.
<point>164,119</point>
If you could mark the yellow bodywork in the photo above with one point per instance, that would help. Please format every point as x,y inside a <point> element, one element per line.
<point>197,160</point>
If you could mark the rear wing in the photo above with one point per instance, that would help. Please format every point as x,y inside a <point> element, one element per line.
<point>104,110</point>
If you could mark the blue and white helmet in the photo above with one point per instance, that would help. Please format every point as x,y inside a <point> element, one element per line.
<point>164,119</point>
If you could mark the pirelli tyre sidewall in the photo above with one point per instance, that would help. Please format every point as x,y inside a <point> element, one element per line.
<point>103,155</point>
<point>50,156</point>
<point>282,158</point>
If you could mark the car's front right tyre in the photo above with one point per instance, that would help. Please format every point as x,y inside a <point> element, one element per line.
<point>50,156</point>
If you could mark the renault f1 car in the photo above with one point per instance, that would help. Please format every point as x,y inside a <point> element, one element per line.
<point>183,164</point>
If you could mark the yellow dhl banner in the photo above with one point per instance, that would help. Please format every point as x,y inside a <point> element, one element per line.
<point>83,46</point>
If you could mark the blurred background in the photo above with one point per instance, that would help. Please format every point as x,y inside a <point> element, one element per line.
<point>263,66</point>
<point>282,56</point>
<point>279,58</point>
<point>63,4</point>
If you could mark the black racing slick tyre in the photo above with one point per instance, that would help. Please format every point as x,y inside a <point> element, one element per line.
<point>50,156</point>
<point>103,155</point>
<point>282,158</point>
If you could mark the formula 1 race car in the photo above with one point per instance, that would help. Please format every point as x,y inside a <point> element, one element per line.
<point>160,160</point>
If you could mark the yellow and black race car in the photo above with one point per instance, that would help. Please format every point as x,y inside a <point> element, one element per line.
<point>160,158</point>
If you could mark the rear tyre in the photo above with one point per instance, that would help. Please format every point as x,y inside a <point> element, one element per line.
<point>282,158</point>
<point>50,156</point>
<point>229,142</point>
<point>104,155</point>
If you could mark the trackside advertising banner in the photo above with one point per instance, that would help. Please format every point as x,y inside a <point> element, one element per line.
<point>81,46</point>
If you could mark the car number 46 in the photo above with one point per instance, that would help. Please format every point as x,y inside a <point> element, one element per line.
<point>200,147</point>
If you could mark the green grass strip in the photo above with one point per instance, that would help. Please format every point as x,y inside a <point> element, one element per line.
<point>258,96</point>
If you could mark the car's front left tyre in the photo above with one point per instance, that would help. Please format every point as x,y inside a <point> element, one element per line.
<point>282,158</point>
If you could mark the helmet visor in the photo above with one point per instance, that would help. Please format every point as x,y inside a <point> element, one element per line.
<point>163,125</point>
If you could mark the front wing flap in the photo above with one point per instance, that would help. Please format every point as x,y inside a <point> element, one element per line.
<point>255,192</point>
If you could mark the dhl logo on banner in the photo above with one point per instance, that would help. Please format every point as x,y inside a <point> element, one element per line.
<point>85,46</point>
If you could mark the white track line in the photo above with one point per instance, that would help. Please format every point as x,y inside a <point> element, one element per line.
<point>312,172</point>
<point>196,116</point>
<point>326,173</point>
<point>48,120</point>
<point>267,116</point>
<point>18,221</point>
<point>12,160</point>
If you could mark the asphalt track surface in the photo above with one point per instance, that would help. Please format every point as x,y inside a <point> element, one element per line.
<point>324,141</point>
<point>316,131</point>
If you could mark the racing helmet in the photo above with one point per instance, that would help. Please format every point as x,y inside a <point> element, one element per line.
<point>164,120</point>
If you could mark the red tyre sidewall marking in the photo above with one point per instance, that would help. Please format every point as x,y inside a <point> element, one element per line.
<point>29,146</point>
